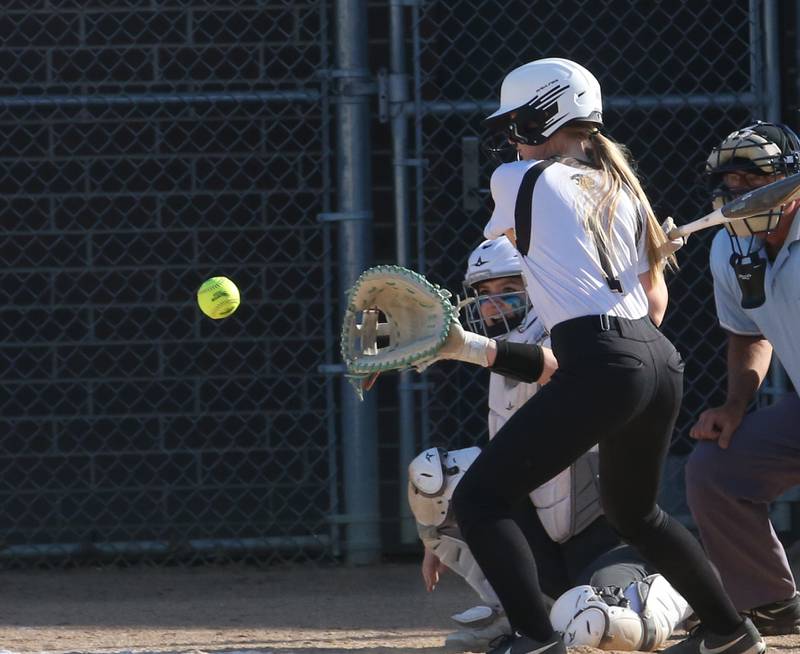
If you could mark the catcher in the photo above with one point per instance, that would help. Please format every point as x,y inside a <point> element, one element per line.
<point>616,604</point>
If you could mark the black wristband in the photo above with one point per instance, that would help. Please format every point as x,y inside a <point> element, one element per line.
<point>521,361</point>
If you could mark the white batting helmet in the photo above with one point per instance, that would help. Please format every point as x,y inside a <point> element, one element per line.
<point>493,259</point>
<point>543,95</point>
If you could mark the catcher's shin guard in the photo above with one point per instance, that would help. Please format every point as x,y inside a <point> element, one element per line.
<point>455,554</point>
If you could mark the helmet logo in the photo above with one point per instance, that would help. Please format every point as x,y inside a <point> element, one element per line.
<point>480,262</point>
<point>544,86</point>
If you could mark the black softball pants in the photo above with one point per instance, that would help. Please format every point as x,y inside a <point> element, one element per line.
<point>619,384</point>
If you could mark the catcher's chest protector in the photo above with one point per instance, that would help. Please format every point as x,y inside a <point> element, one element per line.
<point>570,502</point>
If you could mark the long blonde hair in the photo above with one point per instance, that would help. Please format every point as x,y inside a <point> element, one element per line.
<point>614,160</point>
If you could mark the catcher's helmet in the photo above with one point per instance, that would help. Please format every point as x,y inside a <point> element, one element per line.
<point>541,96</point>
<point>766,149</point>
<point>491,260</point>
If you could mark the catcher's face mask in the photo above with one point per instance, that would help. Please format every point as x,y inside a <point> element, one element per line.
<point>496,306</point>
<point>734,184</point>
<point>747,159</point>
<point>748,265</point>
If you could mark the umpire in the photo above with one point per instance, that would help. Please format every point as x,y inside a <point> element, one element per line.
<point>744,462</point>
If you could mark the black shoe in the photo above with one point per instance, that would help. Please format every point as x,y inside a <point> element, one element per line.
<point>778,618</point>
<point>519,644</point>
<point>745,640</point>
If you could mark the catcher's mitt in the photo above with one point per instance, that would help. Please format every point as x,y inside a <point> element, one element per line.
<point>395,318</point>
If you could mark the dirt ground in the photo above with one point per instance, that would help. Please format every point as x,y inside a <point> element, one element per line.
<point>282,610</point>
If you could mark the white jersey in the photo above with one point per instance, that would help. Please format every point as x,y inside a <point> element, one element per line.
<point>553,500</point>
<point>566,274</point>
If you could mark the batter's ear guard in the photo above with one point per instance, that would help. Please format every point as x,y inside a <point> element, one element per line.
<point>750,270</point>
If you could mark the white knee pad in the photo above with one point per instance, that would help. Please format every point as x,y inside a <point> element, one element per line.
<point>432,477</point>
<point>581,617</point>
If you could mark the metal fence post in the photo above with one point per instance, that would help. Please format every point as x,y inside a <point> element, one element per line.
<point>359,428</point>
<point>772,74</point>
<point>398,96</point>
<point>415,107</point>
<point>778,381</point>
<point>766,83</point>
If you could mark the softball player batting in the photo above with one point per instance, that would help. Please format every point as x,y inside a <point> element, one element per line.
<point>589,243</point>
<point>617,604</point>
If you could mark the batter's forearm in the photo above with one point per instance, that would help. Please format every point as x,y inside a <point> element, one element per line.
<point>657,296</point>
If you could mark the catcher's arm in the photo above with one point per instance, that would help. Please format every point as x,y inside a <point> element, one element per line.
<point>465,346</point>
<point>524,362</point>
<point>521,361</point>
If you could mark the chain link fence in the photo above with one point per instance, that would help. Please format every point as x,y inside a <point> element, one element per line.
<point>148,146</point>
<point>144,150</point>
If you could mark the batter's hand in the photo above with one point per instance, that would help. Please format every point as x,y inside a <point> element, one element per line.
<point>718,424</point>
<point>673,245</point>
<point>432,567</point>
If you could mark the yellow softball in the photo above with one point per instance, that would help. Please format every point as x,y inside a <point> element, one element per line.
<point>218,297</point>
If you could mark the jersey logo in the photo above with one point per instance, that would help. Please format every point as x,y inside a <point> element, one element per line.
<point>509,407</point>
<point>480,262</point>
<point>583,182</point>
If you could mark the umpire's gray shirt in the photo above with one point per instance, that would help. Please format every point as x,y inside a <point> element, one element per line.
<point>778,319</point>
